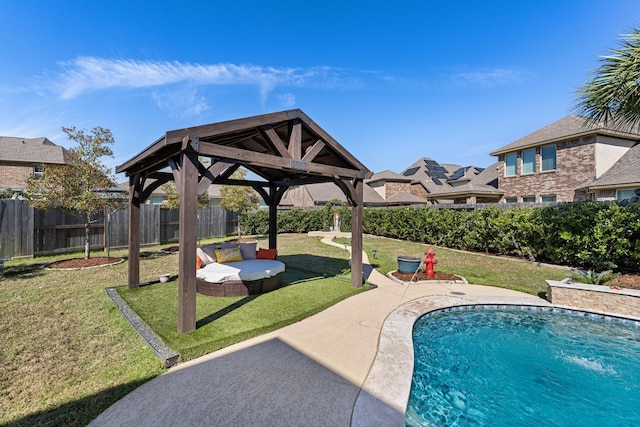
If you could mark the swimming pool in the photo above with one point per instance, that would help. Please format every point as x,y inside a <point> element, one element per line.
<point>482,365</point>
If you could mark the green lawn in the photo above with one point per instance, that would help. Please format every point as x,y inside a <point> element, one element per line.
<point>224,321</point>
<point>478,269</point>
<point>67,352</point>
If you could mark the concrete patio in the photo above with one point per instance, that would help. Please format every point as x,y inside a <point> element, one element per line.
<point>348,365</point>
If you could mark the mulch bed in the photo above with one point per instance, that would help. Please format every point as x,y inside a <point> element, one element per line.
<point>626,281</point>
<point>438,275</point>
<point>78,263</point>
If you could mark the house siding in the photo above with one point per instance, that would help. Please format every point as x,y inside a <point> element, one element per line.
<point>299,196</point>
<point>393,188</point>
<point>14,175</point>
<point>575,165</point>
<point>418,190</point>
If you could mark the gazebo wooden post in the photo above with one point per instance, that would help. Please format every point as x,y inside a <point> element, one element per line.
<point>356,235</point>
<point>134,231</point>
<point>273,218</point>
<point>188,235</point>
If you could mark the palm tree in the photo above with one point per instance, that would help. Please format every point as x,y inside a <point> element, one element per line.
<point>612,96</point>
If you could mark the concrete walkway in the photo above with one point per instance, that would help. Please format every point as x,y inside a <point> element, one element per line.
<point>309,373</point>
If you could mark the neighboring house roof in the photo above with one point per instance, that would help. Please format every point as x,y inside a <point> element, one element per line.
<point>624,173</point>
<point>31,150</point>
<point>387,176</point>
<point>571,126</point>
<point>324,192</point>
<point>485,183</point>
<point>447,180</point>
<point>404,198</point>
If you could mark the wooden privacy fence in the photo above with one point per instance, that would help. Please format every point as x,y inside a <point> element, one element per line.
<point>25,231</point>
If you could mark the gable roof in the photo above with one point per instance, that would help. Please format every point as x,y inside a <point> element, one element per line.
<point>485,183</point>
<point>321,193</point>
<point>388,176</point>
<point>449,180</point>
<point>31,150</point>
<point>571,126</point>
<point>624,173</point>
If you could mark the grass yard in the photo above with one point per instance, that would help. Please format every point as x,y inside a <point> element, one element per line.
<point>478,269</point>
<point>68,354</point>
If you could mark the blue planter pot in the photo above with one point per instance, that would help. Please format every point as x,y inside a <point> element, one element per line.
<point>408,264</point>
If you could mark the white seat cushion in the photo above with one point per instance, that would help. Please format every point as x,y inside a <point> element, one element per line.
<point>247,270</point>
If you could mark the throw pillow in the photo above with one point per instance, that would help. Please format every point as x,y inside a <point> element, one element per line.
<point>228,245</point>
<point>209,251</point>
<point>248,250</point>
<point>267,253</point>
<point>228,255</point>
<point>203,257</point>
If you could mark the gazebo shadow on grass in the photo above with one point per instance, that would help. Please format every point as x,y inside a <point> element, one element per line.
<point>299,268</point>
<point>221,313</point>
<point>305,267</point>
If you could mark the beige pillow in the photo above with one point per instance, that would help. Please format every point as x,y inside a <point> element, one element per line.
<point>204,258</point>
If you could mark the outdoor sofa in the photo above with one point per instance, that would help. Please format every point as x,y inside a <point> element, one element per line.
<point>237,269</point>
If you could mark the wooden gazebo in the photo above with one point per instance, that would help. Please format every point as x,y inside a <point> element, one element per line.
<point>284,149</point>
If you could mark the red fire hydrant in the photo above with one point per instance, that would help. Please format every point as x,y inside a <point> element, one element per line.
<point>429,261</point>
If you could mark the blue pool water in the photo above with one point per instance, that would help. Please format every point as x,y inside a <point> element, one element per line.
<point>524,367</point>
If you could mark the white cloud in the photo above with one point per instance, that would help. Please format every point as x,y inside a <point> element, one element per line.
<point>181,103</point>
<point>287,100</point>
<point>488,79</point>
<point>86,74</point>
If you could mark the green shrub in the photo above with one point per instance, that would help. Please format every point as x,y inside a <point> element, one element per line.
<point>588,235</point>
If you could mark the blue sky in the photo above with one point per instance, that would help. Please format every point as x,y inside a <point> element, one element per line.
<point>392,81</point>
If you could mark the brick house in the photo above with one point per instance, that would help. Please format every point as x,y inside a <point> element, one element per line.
<point>562,162</point>
<point>21,158</point>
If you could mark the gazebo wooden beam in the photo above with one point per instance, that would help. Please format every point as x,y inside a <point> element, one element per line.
<point>268,160</point>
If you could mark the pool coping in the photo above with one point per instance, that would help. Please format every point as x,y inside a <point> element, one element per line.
<point>384,395</point>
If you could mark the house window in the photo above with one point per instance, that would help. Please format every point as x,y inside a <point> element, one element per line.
<point>511,164</point>
<point>548,158</point>
<point>511,200</point>
<point>38,171</point>
<point>157,200</point>
<point>529,161</point>
<point>528,199</point>
<point>627,194</point>
<point>548,198</point>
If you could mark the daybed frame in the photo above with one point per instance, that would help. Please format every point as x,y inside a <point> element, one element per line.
<point>238,288</point>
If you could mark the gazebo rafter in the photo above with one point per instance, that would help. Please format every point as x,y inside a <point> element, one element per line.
<point>285,149</point>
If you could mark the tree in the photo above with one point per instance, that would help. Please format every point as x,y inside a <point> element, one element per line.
<point>81,185</point>
<point>172,201</point>
<point>238,198</point>
<point>613,94</point>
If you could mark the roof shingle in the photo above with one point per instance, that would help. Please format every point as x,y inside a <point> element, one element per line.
<point>31,150</point>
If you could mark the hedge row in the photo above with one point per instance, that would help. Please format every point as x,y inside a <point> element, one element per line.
<point>589,235</point>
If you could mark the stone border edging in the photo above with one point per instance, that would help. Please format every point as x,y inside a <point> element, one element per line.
<point>46,266</point>
<point>164,353</point>
<point>463,280</point>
